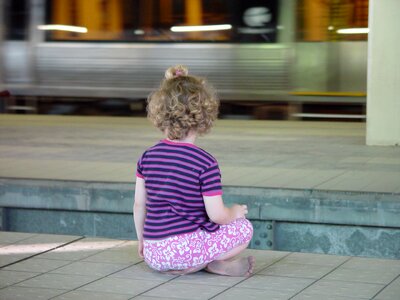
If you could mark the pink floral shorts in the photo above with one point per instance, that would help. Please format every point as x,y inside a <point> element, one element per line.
<point>197,248</point>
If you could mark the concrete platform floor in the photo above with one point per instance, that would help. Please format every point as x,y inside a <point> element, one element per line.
<point>272,154</point>
<point>42,266</point>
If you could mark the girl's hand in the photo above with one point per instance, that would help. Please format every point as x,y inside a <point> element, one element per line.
<point>240,211</point>
<point>140,249</point>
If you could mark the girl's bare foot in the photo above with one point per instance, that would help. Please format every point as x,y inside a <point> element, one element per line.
<point>239,267</point>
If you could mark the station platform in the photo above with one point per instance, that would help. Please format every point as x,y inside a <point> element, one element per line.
<point>273,154</point>
<point>43,266</point>
<point>310,186</point>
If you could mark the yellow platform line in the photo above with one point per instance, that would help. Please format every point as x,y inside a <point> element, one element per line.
<point>332,94</point>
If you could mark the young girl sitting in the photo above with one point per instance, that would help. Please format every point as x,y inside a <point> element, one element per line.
<point>181,221</point>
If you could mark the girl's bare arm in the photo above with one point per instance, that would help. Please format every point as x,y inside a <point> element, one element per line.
<point>219,213</point>
<point>139,210</point>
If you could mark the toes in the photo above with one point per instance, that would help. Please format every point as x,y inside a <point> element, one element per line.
<point>252,262</point>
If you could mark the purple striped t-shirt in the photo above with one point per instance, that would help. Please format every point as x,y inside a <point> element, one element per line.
<point>177,176</point>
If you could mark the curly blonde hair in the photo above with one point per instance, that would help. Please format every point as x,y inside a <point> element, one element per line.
<point>182,103</point>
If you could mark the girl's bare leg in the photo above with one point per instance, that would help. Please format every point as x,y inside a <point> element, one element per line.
<point>225,265</point>
<point>239,267</point>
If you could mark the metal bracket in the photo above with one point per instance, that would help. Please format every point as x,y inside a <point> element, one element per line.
<point>3,219</point>
<point>263,236</point>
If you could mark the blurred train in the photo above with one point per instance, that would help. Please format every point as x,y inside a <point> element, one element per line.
<point>269,50</point>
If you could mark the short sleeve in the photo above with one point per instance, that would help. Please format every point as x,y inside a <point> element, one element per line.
<point>210,181</point>
<point>139,168</point>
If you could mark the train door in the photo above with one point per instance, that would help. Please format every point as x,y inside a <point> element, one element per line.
<point>1,46</point>
<point>17,51</point>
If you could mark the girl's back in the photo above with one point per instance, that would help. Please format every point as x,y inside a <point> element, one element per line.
<point>177,176</point>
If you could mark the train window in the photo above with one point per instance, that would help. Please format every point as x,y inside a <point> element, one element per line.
<point>16,19</point>
<point>339,20</point>
<point>162,20</point>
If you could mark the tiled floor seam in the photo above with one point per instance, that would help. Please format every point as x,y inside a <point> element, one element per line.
<point>63,245</point>
<point>398,276</point>
<point>315,187</point>
<point>5,245</point>
<point>73,261</point>
<point>93,280</point>
<point>29,237</point>
<point>40,253</point>
<point>39,274</point>
<point>244,279</point>
<point>154,287</point>
<point>320,278</point>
